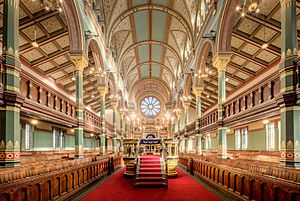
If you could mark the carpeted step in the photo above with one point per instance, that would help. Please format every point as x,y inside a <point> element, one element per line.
<point>146,165</point>
<point>150,169</point>
<point>150,184</point>
<point>149,179</point>
<point>150,162</point>
<point>149,174</point>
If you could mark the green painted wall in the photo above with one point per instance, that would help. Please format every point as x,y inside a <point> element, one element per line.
<point>69,142</point>
<point>214,143</point>
<point>230,142</point>
<point>257,140</point>
<point>42,140</point>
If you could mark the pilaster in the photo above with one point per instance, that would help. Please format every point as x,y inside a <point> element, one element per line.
<point>10,110</point>
<point>80,62</point>
<point>289,109</point>
<point>220,62</point>
<point>102,91</point>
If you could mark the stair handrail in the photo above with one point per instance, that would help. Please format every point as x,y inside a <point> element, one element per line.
<point>164,169</point>
<point>137,168</point>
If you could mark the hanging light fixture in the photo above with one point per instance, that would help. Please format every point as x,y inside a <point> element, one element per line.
<point>34,43</point>
<point>265,45</point>
<point>52,5</point>
<point>250,6</point>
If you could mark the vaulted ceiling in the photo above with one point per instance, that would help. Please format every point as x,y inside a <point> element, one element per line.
<point>150,37</point>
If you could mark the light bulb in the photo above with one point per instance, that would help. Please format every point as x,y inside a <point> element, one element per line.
<point>73,78</point>
<point>237,8</point>
<point>60,9</point>
<point>257,10</point>
<point>243,14</point>
<point>264,46</point>
<point>35,44</point>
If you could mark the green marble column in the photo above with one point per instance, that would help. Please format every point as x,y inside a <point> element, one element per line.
<point>220,61</point>
<point>122,131</point>
<point>197,91</point>
<point>289,109</point>
<point>102,92</point>
<point>80,62</point>
<point>186,145</point>
<point>10,110</point>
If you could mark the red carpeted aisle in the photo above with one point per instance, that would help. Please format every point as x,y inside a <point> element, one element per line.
<point>118,188</point>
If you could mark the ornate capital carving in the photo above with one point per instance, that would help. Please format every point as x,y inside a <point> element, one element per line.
<point>221,60</point>
<point>80,61</point>
<point>102,90</point>
<point>198,90</point>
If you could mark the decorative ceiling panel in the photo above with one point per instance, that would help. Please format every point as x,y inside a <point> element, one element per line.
<point>30,32</point>
<point>267,6</point>
<point>180,6</point>
<point>141,21</point>
<point>277,41</point>
<point>266,56</point>
<point>49,48</point>
<point>265,34</point>
<point>250,49</point>
<point>51,24</point>
<point>61,60</point>
<point>238,60</point>
<point>63,41</point>
<point>248,26</point>
<point>46,66</point>
<point>32,55</point>
<point>22,40</point>
<point>120,38</point>
<point>119,7</point>
<point>253,67</point>
<point>155,70</point>
<point>32,6</point>
<point>57,75</point>
<point>242,75</point>
<point>236,42</point>
<point>158,27</point>
<point>230,70</point>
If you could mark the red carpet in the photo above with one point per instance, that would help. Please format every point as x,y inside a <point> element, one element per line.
<point>118,188</point>
<point>150,173</point>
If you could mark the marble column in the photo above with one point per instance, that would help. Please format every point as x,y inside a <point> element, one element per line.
<point>102,91</point>
<point>220,62</point>
<point>186,105</point>
<point>198,91</point>
<point>122,131</point>
<point>289,109</point>
<point>80,62</point>
<point>178,114</point>
<point>10,110</point>
<point>114,103</point>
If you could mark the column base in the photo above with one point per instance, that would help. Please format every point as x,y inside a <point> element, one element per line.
<point>290,164</point>
<point>10,163</point>
<point>222,156</point>
<point>79,156</point>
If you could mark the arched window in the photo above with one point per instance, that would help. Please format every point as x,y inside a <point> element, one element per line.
<point>150,106</point>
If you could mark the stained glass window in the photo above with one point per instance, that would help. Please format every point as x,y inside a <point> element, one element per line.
<point>150,106</point>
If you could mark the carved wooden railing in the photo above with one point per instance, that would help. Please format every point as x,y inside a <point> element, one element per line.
<point>247,180</point>
<point>53,178</point>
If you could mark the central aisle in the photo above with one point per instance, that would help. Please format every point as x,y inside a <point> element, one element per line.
<point>182,188</point>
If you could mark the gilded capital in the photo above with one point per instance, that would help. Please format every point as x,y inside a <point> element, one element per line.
<point>221,60</point>
<point>114,103</point>
<point>102,90</point>
<point>198,90</point>
<point>80,61</point>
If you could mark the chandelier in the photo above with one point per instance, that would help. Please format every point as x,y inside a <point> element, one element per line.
<point>248,6</point>
<point>52,5</point>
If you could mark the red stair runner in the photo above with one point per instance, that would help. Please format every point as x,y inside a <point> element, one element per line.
<point>150,173</point>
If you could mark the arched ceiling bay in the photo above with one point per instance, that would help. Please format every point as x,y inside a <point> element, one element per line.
<point>150,37</point>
